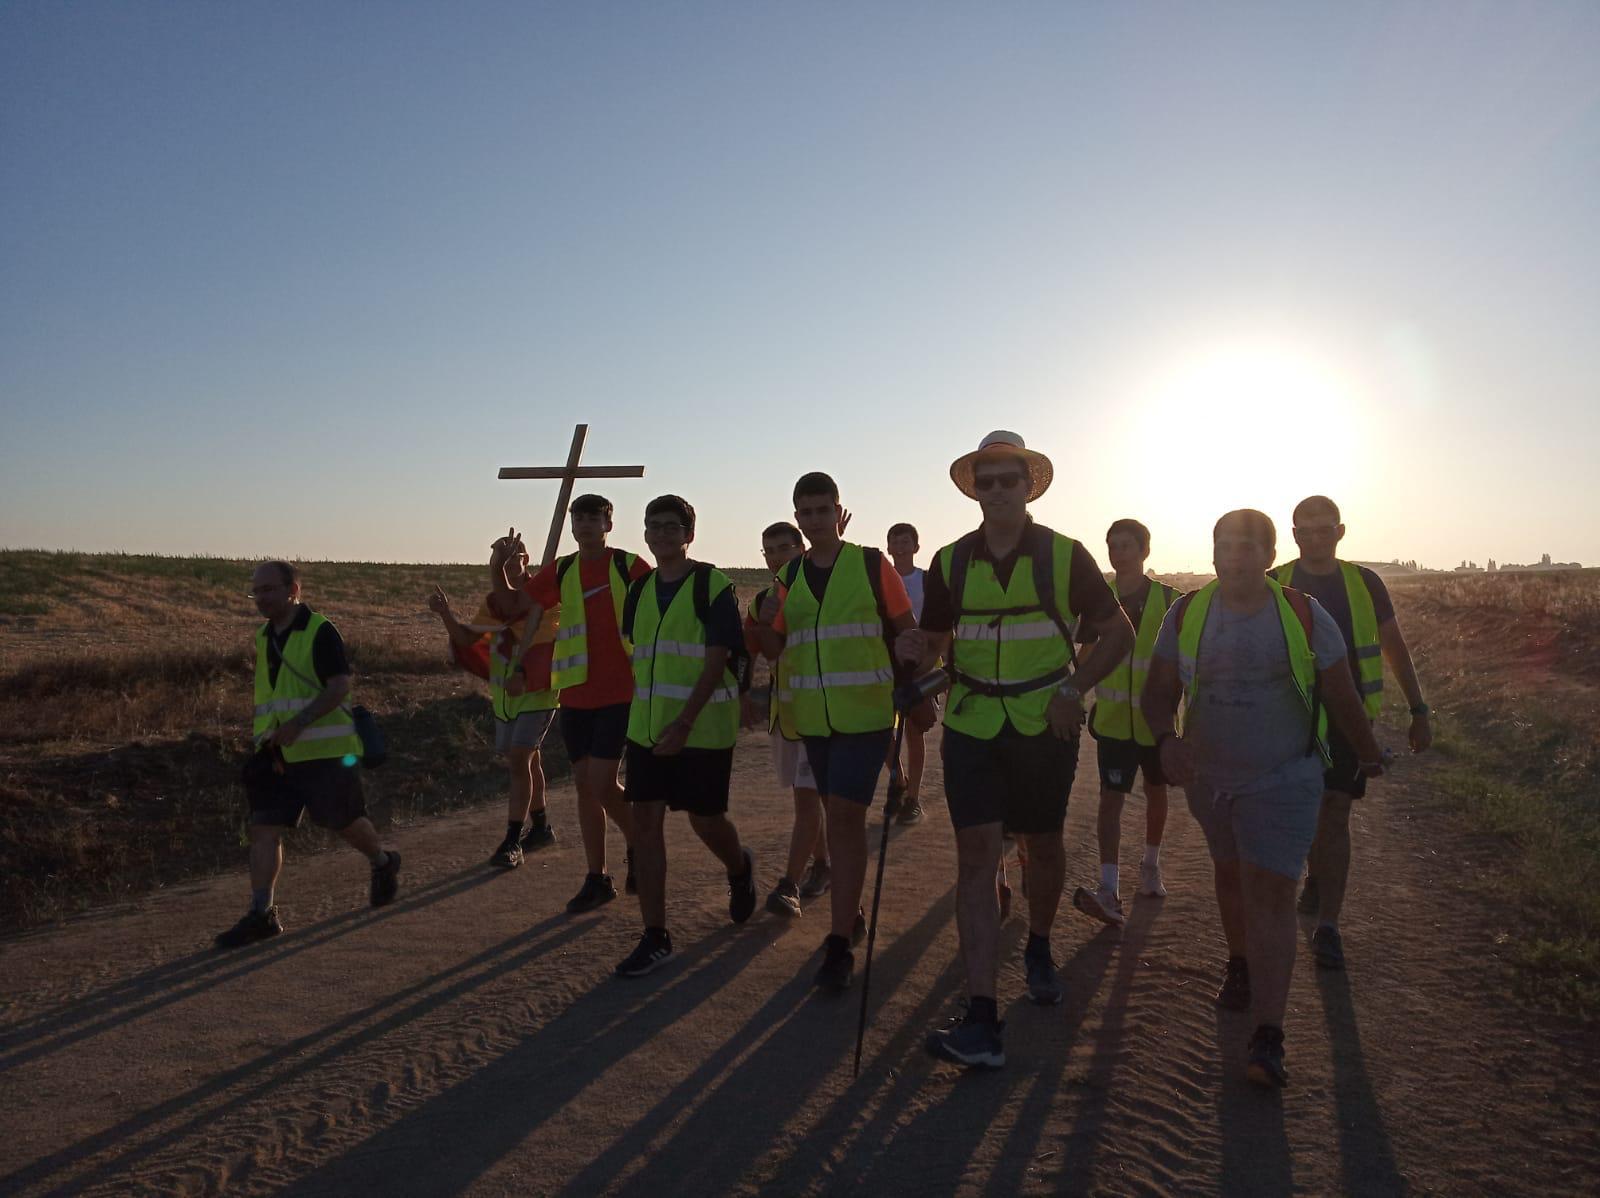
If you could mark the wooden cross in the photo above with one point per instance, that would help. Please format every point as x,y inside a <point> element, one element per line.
<point>567,474</point>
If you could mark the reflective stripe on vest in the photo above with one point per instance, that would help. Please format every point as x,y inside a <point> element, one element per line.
<point>569,662</point>
<point>669,655</point>
<point>1006,649</point>
<point>334,735</point>
<point>509,707</point>
<point>1302,660</point>
<point>1116,713</point>
<point>835,665</point>
<point>1368,648</point>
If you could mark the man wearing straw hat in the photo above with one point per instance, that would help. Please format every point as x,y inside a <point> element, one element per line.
<point>1006,595</point>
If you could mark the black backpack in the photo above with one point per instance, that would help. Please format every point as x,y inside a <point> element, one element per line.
<point>700,589</point>
<point>619,563</point>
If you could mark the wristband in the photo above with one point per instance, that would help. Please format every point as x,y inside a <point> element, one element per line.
<point>1070,692</point>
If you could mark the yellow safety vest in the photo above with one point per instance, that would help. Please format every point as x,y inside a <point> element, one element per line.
<point>570,664</point>
<point>334,735</point>
<point>1116,714</point>
<point>503,668</point>
<point>1297,643</point>
<point>669,655</point>
<point>1007,651</point>
<point>782,696</point>
<point>834,657</point>
<point>1368,649</point>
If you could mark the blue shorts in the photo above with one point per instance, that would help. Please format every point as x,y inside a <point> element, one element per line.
<point>1271,829</point>
<point>846,765</point>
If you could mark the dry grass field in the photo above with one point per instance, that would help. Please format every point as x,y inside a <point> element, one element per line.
<point>125,712</point>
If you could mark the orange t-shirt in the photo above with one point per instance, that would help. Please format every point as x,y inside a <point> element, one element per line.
<point>610,679</point>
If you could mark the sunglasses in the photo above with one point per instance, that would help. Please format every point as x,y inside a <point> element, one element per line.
<point>987,482</point>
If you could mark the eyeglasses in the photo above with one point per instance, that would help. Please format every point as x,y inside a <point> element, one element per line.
<point>769,551</point>
<point>666,526</point>
<point>987,482</point>
<point>263,592</point>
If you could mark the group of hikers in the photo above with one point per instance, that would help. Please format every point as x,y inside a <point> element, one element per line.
<point>1256,694</point>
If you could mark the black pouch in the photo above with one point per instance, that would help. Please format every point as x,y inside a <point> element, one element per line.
<point>374,748</point>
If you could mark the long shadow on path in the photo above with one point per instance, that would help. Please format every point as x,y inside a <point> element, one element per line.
<point>1366,1158</point>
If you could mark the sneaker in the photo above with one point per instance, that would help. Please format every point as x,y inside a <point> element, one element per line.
<point>1265,1064</point>
<point>969,1042</point>
<point>1328,947</point>
<point>785,899</point>
<point>541,837</point>
<point>911,812</point>
<point>1101,904</point>
<point>742,891</point>
<point>386,880</point>
<point>650,953</point>
<point>1150,881</point>
<point>1044,987</point>
<point>630,884</point>
<point>858,930</point>
<point>1234,994</point>
<point>818,880</point>
<point>1309,902</point>
<point>838,968</point>
<point>597,889</point>
<point>508,855</point>
<point>256,925</point>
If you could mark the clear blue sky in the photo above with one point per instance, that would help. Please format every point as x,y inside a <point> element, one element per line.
<point>296,279</point>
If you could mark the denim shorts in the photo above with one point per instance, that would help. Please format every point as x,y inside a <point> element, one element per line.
<point>1271,828</point>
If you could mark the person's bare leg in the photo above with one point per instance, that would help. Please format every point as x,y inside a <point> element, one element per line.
<point>1155,813</point>
<point>1109,825</point>
<point>266,856</point>
<point>591,814</point>
<point>847,846</point>
<point>1047,868</point>
<point>977,908</point>
<point>650,862</point>
<point>1230,905</point>
<point>519,764</point>
<point>1268,900</point>
<point>616,805</point>
<point>808,831</point>
<point>820,849</point>
<point>916,759</point>
<point>1330,856</point>
<point>536,782</point>
<point>717,833</point>
<point>363,837</point>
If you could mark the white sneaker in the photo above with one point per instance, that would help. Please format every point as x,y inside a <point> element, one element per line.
<point>1101,904</point>
<point>1150,880</point>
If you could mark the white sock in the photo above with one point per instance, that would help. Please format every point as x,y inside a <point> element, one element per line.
<point>1108,877</point>
<point>1152,854</point>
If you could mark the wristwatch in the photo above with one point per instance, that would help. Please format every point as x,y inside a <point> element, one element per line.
<point>1421,709</point>
<point>1068,690</point>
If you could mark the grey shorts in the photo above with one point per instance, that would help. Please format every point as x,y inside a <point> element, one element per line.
<point>1271,828</point>
<point>525,731</point>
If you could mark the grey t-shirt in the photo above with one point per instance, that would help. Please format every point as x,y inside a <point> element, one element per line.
<point>1249,730</point>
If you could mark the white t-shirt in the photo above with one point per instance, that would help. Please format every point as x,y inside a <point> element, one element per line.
<point>913,583</point>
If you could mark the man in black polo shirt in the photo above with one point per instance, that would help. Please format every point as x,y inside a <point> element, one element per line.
<point>307,753</point>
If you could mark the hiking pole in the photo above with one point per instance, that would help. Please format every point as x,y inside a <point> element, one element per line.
<point>897,780</point>
<point>905,698</point>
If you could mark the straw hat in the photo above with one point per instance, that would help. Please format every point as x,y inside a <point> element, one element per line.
<point>1002,445</point>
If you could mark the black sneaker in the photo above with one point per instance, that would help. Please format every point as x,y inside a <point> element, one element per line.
<point>911,812</point>
<point>256,925</point>
<point>649,954</point>
<point>1044,987</point>
<point>1328,948</point>
<point>508,855</point>
<point>597,889</point>
<point>858,930</point>
<point>1265,1065</point>
<point>630,884</point>
<point>1309,902</point>
<point>838,968</point>
<point>1235,992</point>
<point>386,880</point>
<point>785,899</point>
<point>541,837</point>
<point>742,891</point>
<point>970,1042</point>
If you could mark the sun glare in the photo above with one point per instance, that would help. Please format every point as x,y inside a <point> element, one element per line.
<point>1250,425</point>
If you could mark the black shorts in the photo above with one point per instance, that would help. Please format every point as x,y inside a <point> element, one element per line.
<point>1120,760</point>
<point>693,780</point>
<point>847,765</point>
<point>595,731</point>
<point>1020,781</point>
<point>328,788</point>
<point>1344,775</point>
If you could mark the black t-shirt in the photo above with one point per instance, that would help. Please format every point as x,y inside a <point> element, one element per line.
<point>723,626</point>
<point>1089,597</point>
<point>1132,607</point>
<point>1328,590</point>
<point>328,657</point>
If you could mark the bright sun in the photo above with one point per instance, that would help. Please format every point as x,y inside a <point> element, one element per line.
<point>1257,425</point>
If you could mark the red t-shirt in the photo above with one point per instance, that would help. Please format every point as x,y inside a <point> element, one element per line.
<point>610,679</point>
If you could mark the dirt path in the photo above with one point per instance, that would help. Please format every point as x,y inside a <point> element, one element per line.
<point>471,1038</point>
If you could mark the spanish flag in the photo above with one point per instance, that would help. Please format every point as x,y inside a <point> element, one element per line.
<point>494,630</point>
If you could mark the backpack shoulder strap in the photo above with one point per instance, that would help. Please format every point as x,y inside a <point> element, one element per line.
<point>1300,603</point>
<point>702,592</point>
<point>563,565</point>
<point>791,571</point>
<point>1042,550</point>
<point>873,559</point>
<point>960,559</point>
<point>630,605</point>
<point>1182,604</point>
<point>619,563</point>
